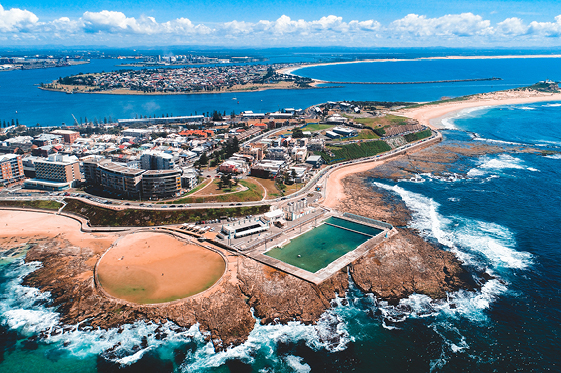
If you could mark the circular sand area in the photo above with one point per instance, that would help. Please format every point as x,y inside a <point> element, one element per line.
<point>155,267</point>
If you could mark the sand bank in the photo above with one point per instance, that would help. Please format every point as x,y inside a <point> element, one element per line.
<point>291,69</point>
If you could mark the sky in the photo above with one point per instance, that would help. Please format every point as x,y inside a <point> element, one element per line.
<point>272,23</point>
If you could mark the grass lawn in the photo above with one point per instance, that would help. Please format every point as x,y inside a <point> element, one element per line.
<point>354,151</point>
<point>293,188</point>
<point>317,127</point>
<point>388,120</point>
<point>269,185</point>
<point>38,204</point>
<point>365,134</point>
<point>100,216</point>
<point>254,193</point>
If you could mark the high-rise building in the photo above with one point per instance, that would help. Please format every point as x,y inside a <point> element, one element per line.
<point>57,172</point>
<point>11,169</point>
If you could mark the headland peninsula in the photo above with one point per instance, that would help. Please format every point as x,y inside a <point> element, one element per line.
<point>181,80</point>
<point>105,264</point>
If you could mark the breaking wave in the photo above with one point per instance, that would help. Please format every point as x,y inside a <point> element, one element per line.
<point>27,311</point>
<point>554,156</point>
<point>448,121</point>
<point>477,243</point>
<point>329,333</point>
<point>492,164</point>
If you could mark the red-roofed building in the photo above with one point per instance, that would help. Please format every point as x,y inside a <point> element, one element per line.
<point>199,133</point>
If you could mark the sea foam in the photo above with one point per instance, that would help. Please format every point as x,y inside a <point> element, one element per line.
<point>477,243</point>
<point>497,165</point>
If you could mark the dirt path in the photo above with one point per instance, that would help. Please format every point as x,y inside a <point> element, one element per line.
<point>261,185</point>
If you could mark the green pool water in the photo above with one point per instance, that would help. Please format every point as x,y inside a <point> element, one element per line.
<point>319,247</point>
<point>354,226</point>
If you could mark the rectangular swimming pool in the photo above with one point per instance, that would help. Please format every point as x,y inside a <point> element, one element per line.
<point>319,247</point>
<point>354,226</point>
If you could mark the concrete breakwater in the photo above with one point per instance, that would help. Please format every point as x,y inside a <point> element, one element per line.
<point>421,82</point>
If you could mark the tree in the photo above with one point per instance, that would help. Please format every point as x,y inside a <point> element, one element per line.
<point>226,180</point>
<point>216,116</point>
<point>203,160</point>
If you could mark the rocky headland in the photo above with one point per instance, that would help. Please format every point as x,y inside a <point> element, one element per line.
<point>401,265</point>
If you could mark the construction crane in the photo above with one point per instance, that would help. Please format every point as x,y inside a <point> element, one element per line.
<point>75,120</point>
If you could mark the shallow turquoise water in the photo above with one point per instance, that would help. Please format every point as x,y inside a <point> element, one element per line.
<point>318,247</point>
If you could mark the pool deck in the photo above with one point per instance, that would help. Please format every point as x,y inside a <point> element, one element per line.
<point>257,250</point>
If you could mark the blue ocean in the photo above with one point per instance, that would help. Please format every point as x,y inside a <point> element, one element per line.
<point>21,99</point>
<point>501,216</point>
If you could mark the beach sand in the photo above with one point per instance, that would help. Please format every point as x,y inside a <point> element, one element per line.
<point>25,225</point>
<point>150,267</point>
<point>334,188</point>
<point>431,115</point>
<point>187,268</point>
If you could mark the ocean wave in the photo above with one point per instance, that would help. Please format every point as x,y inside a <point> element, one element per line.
<point>554,156</point>
<point>448,121</point>
<point>478,138</point>
<point>551,105</point>
<point>477,243</point>
<point>329,333</point>
<point>296,364</point>
<point>493,164</point>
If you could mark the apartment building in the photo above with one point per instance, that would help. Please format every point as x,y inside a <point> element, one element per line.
<point>11,169</point>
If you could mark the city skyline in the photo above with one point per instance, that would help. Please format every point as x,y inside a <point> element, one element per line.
<point>274,24</point>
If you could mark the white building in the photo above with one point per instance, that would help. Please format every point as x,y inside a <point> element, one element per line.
<point>157,161</point>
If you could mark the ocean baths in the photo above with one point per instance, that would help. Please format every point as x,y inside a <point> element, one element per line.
<point>318,250</point>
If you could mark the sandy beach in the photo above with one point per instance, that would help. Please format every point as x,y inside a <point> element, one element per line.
<point>334,190</point>
<point>21,226</point>
<point>431,115</point>
<point>162,266</point>
<point>150,267</point>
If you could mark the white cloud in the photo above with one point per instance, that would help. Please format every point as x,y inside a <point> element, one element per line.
<point>370,25</point>
<point>109,27</point>
<point>465,24</point>
<point>511,27</point>
<point>550,29</point>
<point>17,20</point>
<point>117,22</point>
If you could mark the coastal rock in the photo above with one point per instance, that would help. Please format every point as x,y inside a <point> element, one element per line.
<point>225,311</point>
<point>279,297</point>
<point>405,264</point>
<point>367,200</point>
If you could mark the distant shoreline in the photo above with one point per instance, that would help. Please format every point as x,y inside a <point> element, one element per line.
<point>292,69</point>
